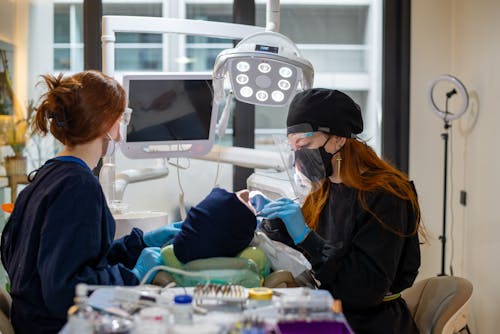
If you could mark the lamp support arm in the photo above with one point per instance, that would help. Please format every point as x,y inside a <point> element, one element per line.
<point>273,15</point>
<point>244,157</point>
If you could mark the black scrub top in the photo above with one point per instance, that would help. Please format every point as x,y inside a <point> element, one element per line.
<point>359,261</point>
<point>60,234</point>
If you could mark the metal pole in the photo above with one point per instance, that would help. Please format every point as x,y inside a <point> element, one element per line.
<point>444,135</point>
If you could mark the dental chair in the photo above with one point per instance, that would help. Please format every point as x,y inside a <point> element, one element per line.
<point>250,268</point>
<point>5,302</point>
<point>439,305</point>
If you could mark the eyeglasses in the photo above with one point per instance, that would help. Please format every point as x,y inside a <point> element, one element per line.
<point>301,140</point>
<point>301,135</point>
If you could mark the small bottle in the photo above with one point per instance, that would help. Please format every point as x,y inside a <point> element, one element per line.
<point>81,315</point>
<point>183,310</point>
<point>259,297</point>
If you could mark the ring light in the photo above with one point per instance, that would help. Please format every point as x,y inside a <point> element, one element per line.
<point>459,88</point>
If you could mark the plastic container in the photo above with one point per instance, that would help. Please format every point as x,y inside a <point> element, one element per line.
<point>113,325</point>
<point>153,320</point>
<point>307,305</point>
<point>259,297</point>
<point>183,310</point>
<point>321,326</point>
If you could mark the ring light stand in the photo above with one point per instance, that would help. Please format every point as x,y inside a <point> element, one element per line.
<point>447,117</point>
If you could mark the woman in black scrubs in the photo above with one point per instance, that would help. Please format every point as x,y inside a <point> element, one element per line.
<point>359,225</point>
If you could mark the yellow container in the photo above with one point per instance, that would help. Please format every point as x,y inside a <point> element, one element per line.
<point>259,297</point>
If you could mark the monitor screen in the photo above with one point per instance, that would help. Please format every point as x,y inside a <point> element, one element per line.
<point>171,113</point>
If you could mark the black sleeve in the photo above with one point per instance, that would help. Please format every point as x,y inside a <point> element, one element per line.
<point>127,249</point>
<point>361,272</point>
<point>73,248</point>
<point>275,229</point>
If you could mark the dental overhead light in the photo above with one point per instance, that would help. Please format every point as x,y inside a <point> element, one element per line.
<point>265,68</point>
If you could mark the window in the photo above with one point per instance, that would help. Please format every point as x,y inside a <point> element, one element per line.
<point>202,51</point>
<point>68,37</point>
<point>134,51</point>
<point>137,51</point>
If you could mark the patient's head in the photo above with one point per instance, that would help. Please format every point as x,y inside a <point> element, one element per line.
<point>244,197</point>
<point>221,225</point>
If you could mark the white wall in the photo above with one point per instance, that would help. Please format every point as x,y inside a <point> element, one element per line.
<point>21,55</point>
<point>458,37</point>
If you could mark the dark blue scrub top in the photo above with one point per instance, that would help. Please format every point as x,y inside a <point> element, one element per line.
<point>61,233</point>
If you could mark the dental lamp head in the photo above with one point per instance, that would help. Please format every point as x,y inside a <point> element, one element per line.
<point>265,68</point>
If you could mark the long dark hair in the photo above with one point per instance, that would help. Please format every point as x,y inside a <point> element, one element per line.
<point>362,169</point>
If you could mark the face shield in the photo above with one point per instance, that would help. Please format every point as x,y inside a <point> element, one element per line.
<point>124,122</point>
<point>301,155</point>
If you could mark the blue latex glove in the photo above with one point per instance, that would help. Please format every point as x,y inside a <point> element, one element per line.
<point>178,224</point>
<point>150,257</point>
<point>258,201</point>
<point>291,214</point>
<point>160,236</point>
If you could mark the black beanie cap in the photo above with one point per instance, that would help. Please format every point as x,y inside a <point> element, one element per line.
<point>326,110</point>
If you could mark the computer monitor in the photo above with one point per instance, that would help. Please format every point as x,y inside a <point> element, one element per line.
<point>172,115</point>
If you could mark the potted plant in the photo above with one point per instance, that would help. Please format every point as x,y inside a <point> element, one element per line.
<point>15,136</point>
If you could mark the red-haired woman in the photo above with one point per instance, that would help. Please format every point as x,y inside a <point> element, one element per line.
<point>61,230</point>
<point>359,225</point>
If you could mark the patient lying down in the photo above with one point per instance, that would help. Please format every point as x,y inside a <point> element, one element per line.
<point>218,228</point>
<point>220,225</point>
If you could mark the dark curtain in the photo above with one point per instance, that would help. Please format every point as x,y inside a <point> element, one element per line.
<point>92,55</point>
<point>396,82</point>
<point>243,113</point>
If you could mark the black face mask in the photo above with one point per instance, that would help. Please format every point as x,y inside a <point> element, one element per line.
<point>309,163</point>
<point>315,164</point>
<point>327,160</point>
